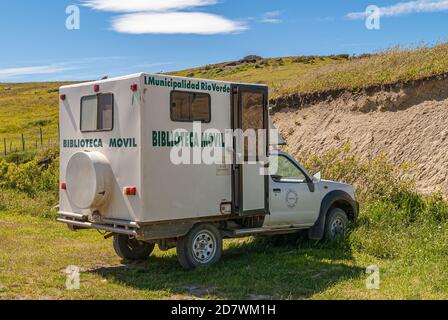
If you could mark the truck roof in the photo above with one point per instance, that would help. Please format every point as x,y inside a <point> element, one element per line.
<point>138,75</point>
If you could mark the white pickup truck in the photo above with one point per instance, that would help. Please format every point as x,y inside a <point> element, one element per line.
<point>117,172</point>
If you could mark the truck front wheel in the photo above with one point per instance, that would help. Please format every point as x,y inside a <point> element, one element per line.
<point>200,247</point>
<point>129,248</point>
<point>336,224</point>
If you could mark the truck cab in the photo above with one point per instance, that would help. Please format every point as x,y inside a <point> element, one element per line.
<point>297,199</point>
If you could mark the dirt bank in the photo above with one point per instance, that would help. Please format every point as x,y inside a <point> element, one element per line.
<point>407,122</point>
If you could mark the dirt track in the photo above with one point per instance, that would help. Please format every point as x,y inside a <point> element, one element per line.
<point>406,122</point>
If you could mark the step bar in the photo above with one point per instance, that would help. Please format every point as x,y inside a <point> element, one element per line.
<point>257,231</point>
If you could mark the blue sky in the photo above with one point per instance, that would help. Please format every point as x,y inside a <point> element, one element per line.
<point>118,37</point>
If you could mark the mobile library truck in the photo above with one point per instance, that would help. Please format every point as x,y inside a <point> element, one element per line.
<point>153,159</point>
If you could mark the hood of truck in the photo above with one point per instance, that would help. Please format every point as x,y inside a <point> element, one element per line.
<point>327,186</point>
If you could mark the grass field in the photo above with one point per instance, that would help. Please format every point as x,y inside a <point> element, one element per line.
<point>35,253</point>
<point>25,108</point>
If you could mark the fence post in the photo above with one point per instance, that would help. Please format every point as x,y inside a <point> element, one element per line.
<point>4,140</point>
<point>41,138</point>
<point>23,143</point>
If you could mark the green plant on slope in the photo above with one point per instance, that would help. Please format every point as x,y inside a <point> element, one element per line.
<point>30,187</point>
<point>395,220</point>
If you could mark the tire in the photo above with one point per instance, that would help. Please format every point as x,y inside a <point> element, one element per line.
<point>202,246</point>
<point>336,224</point>
<point>131,249</point>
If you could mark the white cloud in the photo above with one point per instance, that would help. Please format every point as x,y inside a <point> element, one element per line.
<point>167,17</point>
<point>402,8</point>
<point>270,17</point>
<point>145,5</point>
<point>35,70</point>
<point>175,23</point>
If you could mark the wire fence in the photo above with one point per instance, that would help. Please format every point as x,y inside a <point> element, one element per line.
<point>26,142</point>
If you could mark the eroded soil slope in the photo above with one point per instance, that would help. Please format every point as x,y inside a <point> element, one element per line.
<point>407,122</point>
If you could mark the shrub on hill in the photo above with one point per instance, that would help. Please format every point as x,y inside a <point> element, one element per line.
<point>395,220</point>
<point>30,186</point>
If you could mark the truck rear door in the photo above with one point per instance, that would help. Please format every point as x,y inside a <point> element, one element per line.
<point>250,194</point>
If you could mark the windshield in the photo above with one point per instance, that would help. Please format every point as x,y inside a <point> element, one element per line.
<point>283,169</point>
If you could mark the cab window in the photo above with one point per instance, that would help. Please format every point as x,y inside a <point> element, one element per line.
<point>284,170</point>
<point>97,113</point>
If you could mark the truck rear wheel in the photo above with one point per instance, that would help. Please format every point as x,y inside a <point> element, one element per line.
<point>336,224</point>
<point>129,248</point>
<point>202,246</point>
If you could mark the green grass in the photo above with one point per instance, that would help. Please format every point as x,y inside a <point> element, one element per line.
<point>34,253</point>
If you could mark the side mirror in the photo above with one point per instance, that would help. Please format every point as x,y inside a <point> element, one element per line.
<point>317,177</point>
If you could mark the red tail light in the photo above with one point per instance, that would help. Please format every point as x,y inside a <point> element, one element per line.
<point>63,97</point>
<point>63,186</point>
<point>130,191</point>
<point>134,87</point>
<point>96,88</point>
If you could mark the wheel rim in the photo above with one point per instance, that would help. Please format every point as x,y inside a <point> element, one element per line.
<point>337,227</point>
<point>204,247</point>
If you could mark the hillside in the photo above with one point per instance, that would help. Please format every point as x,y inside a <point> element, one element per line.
<point>25,108</point>
<point>392,102</point>
<point>315,74</point>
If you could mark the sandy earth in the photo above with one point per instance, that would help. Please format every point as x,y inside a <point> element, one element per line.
<point>406,124</point>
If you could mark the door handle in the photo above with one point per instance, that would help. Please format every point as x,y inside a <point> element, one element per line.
<point>277,190</point>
